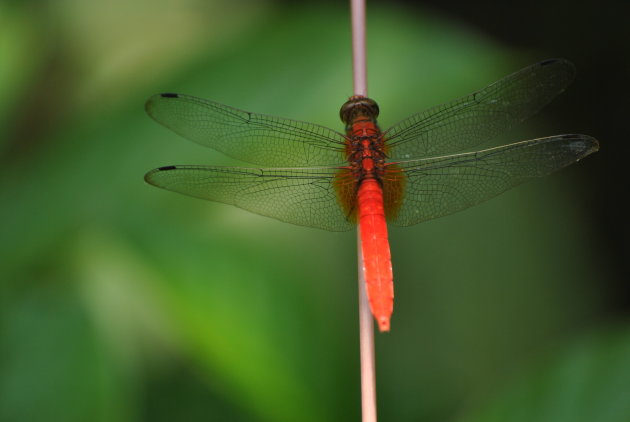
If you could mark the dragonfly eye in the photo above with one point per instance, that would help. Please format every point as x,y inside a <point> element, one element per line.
<point>358,106</point>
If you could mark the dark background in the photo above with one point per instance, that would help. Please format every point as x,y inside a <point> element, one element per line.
<point>595,36</point>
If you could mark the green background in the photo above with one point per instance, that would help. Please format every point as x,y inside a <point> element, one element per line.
<point>122,302</point>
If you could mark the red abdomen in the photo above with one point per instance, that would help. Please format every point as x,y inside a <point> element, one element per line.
<point>377,263</point>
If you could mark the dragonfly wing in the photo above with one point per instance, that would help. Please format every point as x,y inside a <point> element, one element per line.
<point>305,197</point>
<point>250,137</point>
<point>469,121</point>
<point>435,187</point>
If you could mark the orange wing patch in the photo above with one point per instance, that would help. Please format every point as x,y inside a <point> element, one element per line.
<point>393,190</point>
<point>346,188</point>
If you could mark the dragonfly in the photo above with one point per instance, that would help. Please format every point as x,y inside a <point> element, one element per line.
<point>421,168</point>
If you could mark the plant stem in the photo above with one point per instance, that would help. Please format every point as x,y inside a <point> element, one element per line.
<point>366,327</point>
<point>359,57</point>
<point>366,347</point>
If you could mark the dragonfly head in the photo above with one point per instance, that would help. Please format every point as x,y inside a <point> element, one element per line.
<point>356,107</point>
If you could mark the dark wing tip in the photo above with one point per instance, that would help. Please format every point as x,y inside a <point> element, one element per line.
<point>550,61</point>
<point>559,68</point>
<point>149,176</point>
<point>566,64</point>
<point>589,144</point>
<point>594,144</point>
<point>583,145</point>
<point>556,60</point>
<point>151,101</point>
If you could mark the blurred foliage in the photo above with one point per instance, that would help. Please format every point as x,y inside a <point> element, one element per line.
<point>120,302</point>
<point>586,382</point>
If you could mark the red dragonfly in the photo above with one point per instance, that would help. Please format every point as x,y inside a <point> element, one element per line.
<point>420,168</point>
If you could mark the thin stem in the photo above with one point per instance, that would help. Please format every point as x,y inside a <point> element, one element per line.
<point>366,346</point>
<point>359,57</point>
<point>366,324</point>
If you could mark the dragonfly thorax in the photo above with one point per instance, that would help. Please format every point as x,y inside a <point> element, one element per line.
<point>365,149</point>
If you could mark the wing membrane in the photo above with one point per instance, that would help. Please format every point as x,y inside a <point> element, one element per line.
<point>250,137</point>
<point>305,197</point>
<point>469,121</point>
<point>436,187</point>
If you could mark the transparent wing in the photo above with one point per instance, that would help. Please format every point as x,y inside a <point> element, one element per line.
<point>305,197</point>
<point>436,187</point>
<point>250,137</point>
<point>469,121</point>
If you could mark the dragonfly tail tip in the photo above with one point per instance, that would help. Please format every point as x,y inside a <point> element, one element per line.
<point>383,324</point>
